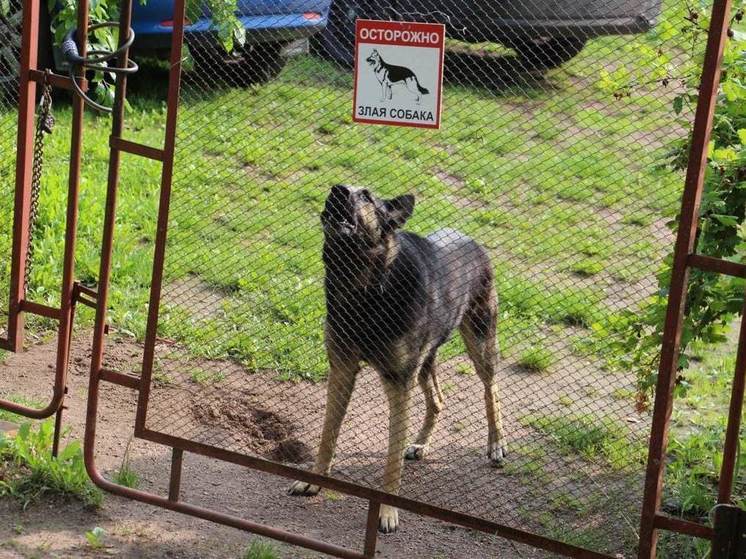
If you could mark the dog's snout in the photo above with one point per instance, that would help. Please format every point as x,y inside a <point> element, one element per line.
<point>337,217</point>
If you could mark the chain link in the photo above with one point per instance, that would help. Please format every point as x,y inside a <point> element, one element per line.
<point>44,125</point>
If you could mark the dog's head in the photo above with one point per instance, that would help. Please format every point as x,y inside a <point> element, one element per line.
<point>358,232</point>
<point>373,58</point>
<point>358,215</point>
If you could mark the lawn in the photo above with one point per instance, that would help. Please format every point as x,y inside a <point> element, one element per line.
<point>559,181</point>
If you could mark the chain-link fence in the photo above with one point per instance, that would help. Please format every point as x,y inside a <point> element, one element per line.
<point>553,156</point>
<point>10,39</point>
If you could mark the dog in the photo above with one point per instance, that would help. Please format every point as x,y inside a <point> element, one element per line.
<point>392,299</point>
<point>388,75</point>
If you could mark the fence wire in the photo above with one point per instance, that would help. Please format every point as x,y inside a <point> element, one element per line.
<point>10,45</point>
<point>556,125</point>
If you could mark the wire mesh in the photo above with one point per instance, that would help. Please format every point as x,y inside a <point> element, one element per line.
<point>559,179</point>
<point>10,39</point>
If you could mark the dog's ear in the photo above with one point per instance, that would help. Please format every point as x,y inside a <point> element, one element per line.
<point>399,210</point>
<point>339,190</point>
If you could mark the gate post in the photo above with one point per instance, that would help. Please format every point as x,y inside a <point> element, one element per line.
<point>24,163</point>
<point>684,248</point>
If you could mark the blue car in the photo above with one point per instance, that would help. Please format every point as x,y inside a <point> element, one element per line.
<point>271,25</point>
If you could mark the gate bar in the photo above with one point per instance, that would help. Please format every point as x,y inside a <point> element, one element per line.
<point>24,164</point>
<point>730,448</point>
<point>685,244</point>
<point>371,529</point>
<point>29,74</point>
<point>174,486</point>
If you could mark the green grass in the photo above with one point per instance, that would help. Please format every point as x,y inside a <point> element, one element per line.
<point>125,475</point>
<point>697,435</point>
<point>537,359</point>
<point>28,471</point>
<point>253,168</point>
<point>261,549</point>
<point>204,377</point>
<point>591,437</point>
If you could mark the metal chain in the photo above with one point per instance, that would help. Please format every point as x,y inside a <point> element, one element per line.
<point>44,125</point>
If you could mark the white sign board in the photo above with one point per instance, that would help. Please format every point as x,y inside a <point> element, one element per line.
<point>398,73</point>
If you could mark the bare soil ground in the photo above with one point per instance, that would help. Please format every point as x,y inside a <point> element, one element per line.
<point>258,414</point>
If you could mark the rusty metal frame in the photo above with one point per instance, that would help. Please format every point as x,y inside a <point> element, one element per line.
<point>685,258</point>
<point>652,519</point>
<point>30,76</point>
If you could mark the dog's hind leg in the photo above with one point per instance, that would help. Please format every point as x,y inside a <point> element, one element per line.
<point>434,403</point>
<point>342,374</point>
<point>398,396</point>
<point>479,329</point>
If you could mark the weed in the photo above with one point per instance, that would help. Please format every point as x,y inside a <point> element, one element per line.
<point>536,359</point>
<point>31,471</point>
<point>587,267</point>
<point>333,496</point>
<point>592,437</point>
<point>448,387</point>
<point>623,394</point>
<point>203,377</point>
<point>565,400</point>
<point>95,538</point>
<point>125,475</point>
<point>261,549</point>
<point>464,369</point>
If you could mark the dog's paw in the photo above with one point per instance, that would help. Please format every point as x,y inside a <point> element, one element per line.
<point>415,452</point>
<point>388,520</point>
<point>303,488</point>
<point>497,452</point>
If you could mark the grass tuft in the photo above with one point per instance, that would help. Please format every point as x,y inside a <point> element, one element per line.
<point>592,438</point>
<point>537,359</point>
<point>261,549</point>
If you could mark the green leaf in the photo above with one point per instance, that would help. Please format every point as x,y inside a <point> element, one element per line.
<point>729,220</point>
<point>742,135</point>
<point>678,104</point>
<point>734,90</point>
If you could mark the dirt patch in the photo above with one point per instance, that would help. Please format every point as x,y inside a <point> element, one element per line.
<point>282,421</point>
<point>262,431</point>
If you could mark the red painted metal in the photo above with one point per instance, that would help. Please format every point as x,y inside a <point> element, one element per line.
<point>24,161</point>
<point>681,526</point>
<point>29,76</point>
<point>711,264</point>
<point>685,245</point>
<point>730,448</point>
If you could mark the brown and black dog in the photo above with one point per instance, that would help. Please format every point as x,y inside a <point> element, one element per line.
<point>393,298</point>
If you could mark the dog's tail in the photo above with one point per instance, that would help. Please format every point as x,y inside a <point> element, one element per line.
<point>420,88</point>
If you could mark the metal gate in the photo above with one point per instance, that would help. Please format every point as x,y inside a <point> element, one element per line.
<point>557,188</point>
<point>22,77</point>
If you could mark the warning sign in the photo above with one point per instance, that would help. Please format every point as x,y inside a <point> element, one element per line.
<point>398,73</point>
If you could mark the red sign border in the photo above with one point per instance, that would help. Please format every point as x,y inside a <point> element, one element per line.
<point>382,24</point>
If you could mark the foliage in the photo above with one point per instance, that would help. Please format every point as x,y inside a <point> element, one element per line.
<point>229,31</point>
<point>592,437</point>
<point>125,475</point>
<point>28,471</point>
<point>712,299</point>
<point>261,549</point>
<point>95,538</point>
<point>536,359</point>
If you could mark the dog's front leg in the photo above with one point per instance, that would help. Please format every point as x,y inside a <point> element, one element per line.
<point>398,396</point>
<point>342,374</point>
